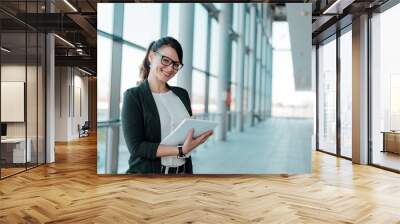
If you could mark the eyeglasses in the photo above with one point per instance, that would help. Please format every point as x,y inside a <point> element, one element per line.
<point>166,61</point>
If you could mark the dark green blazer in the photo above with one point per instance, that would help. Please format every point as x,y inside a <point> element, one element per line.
<point>142,129</point>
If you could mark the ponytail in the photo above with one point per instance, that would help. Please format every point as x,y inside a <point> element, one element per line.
<point>145,67</point>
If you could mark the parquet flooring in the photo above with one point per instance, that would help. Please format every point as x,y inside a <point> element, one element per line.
<point>9,171</point>
<point>70,191</point>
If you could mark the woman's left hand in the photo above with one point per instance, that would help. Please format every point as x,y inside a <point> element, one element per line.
<point>191,143</point>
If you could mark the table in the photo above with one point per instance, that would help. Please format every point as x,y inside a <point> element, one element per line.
<point>391,141</point>
<point>13,150</point>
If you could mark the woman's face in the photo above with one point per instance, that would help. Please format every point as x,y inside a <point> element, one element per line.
<point>164,63</point>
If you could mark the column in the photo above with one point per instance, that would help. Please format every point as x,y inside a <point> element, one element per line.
<point>164,19</point>
<point>50,93</point>
<point>269,67</point>
<point>186,24</point>
<point>240,67</point>
<point>264,77</point>
<point>225,20</point>
<point>208,56</point>
<point>260,73</point>
<point>360,90</point>
<point>252,61</point>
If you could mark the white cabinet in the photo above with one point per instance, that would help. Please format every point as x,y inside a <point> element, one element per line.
<point>17,146</point>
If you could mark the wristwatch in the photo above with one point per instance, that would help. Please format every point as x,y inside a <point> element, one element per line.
<point>180,155</point>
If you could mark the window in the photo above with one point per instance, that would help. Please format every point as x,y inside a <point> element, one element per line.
<point>134,15</point>
<point>233,97</point>
<point>287,101</point>
<point>198,91</point>
<point>200,37</point>
<point>105,21</point>
<point>235,17</point>
<point>132,59</point>
<point>173,20</point>
<point>212,104</point>
<point>218,6</point>
<point>247,29</point>
<point>234,62</point>
<point>103,77</point>
<point>346,94</point>
<point>327,96</point>
<point>22,76</point>
<point>385,87</point>
<point>214,51</point>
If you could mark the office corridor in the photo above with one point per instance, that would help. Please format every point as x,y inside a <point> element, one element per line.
<point>276,145</point>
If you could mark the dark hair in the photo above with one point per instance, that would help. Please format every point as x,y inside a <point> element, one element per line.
<point>155,46</point>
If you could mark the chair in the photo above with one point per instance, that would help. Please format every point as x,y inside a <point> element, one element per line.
<point>84,130</point>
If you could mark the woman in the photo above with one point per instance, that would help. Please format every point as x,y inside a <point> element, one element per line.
<point>153,109</point>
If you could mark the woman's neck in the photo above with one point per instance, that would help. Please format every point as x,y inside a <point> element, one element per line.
<point>157,86</point>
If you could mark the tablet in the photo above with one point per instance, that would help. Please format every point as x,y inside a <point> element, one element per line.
<point>178,136</point>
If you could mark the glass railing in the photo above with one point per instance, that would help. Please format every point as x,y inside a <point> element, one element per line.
<point>110,161</point>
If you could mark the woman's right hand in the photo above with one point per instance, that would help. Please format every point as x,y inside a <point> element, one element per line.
<point>191,143</point>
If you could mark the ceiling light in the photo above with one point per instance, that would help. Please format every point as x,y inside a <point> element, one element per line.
<point>84,71</point>
<point>337,7</point>
<point>70,5</point>
<point>65,41</point>
<point>332,8</point>
<point>5,50</point>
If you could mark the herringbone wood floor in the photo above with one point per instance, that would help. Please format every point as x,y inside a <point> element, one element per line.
<point>70,191</point>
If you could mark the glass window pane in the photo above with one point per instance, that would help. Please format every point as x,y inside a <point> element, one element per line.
<point>214,51</point>
<point>212,104</point>
<point>234,62</point>
<point>246,29</point>
<point>101,149</point>
<point>233,98</point>
<point>287,101</point>
<point>385,88</point>
<point>134,15</point>
<point>327,97</point>
<point>200,37</point>
<point>346,94</point>
<point>281,37</point>
<point>132,59</point>
<point>218,6</point>
<point>104,46</point>
<point>105,21</point>
<point>198,92</point>
<point>123,155</point>
<point>13,79</point>
<point>173,20</point>
<point>235,22</point>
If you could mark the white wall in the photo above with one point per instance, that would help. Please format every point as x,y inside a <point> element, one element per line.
<point>61,103</point>
<point>69,85</point>
<point>17,73</point>
<point>80,84</point>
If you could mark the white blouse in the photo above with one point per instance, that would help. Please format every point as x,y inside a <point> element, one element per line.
<point>172,112</point>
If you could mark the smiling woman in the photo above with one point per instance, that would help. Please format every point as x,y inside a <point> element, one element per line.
<point>224,74</point>
<point>153,109</point>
